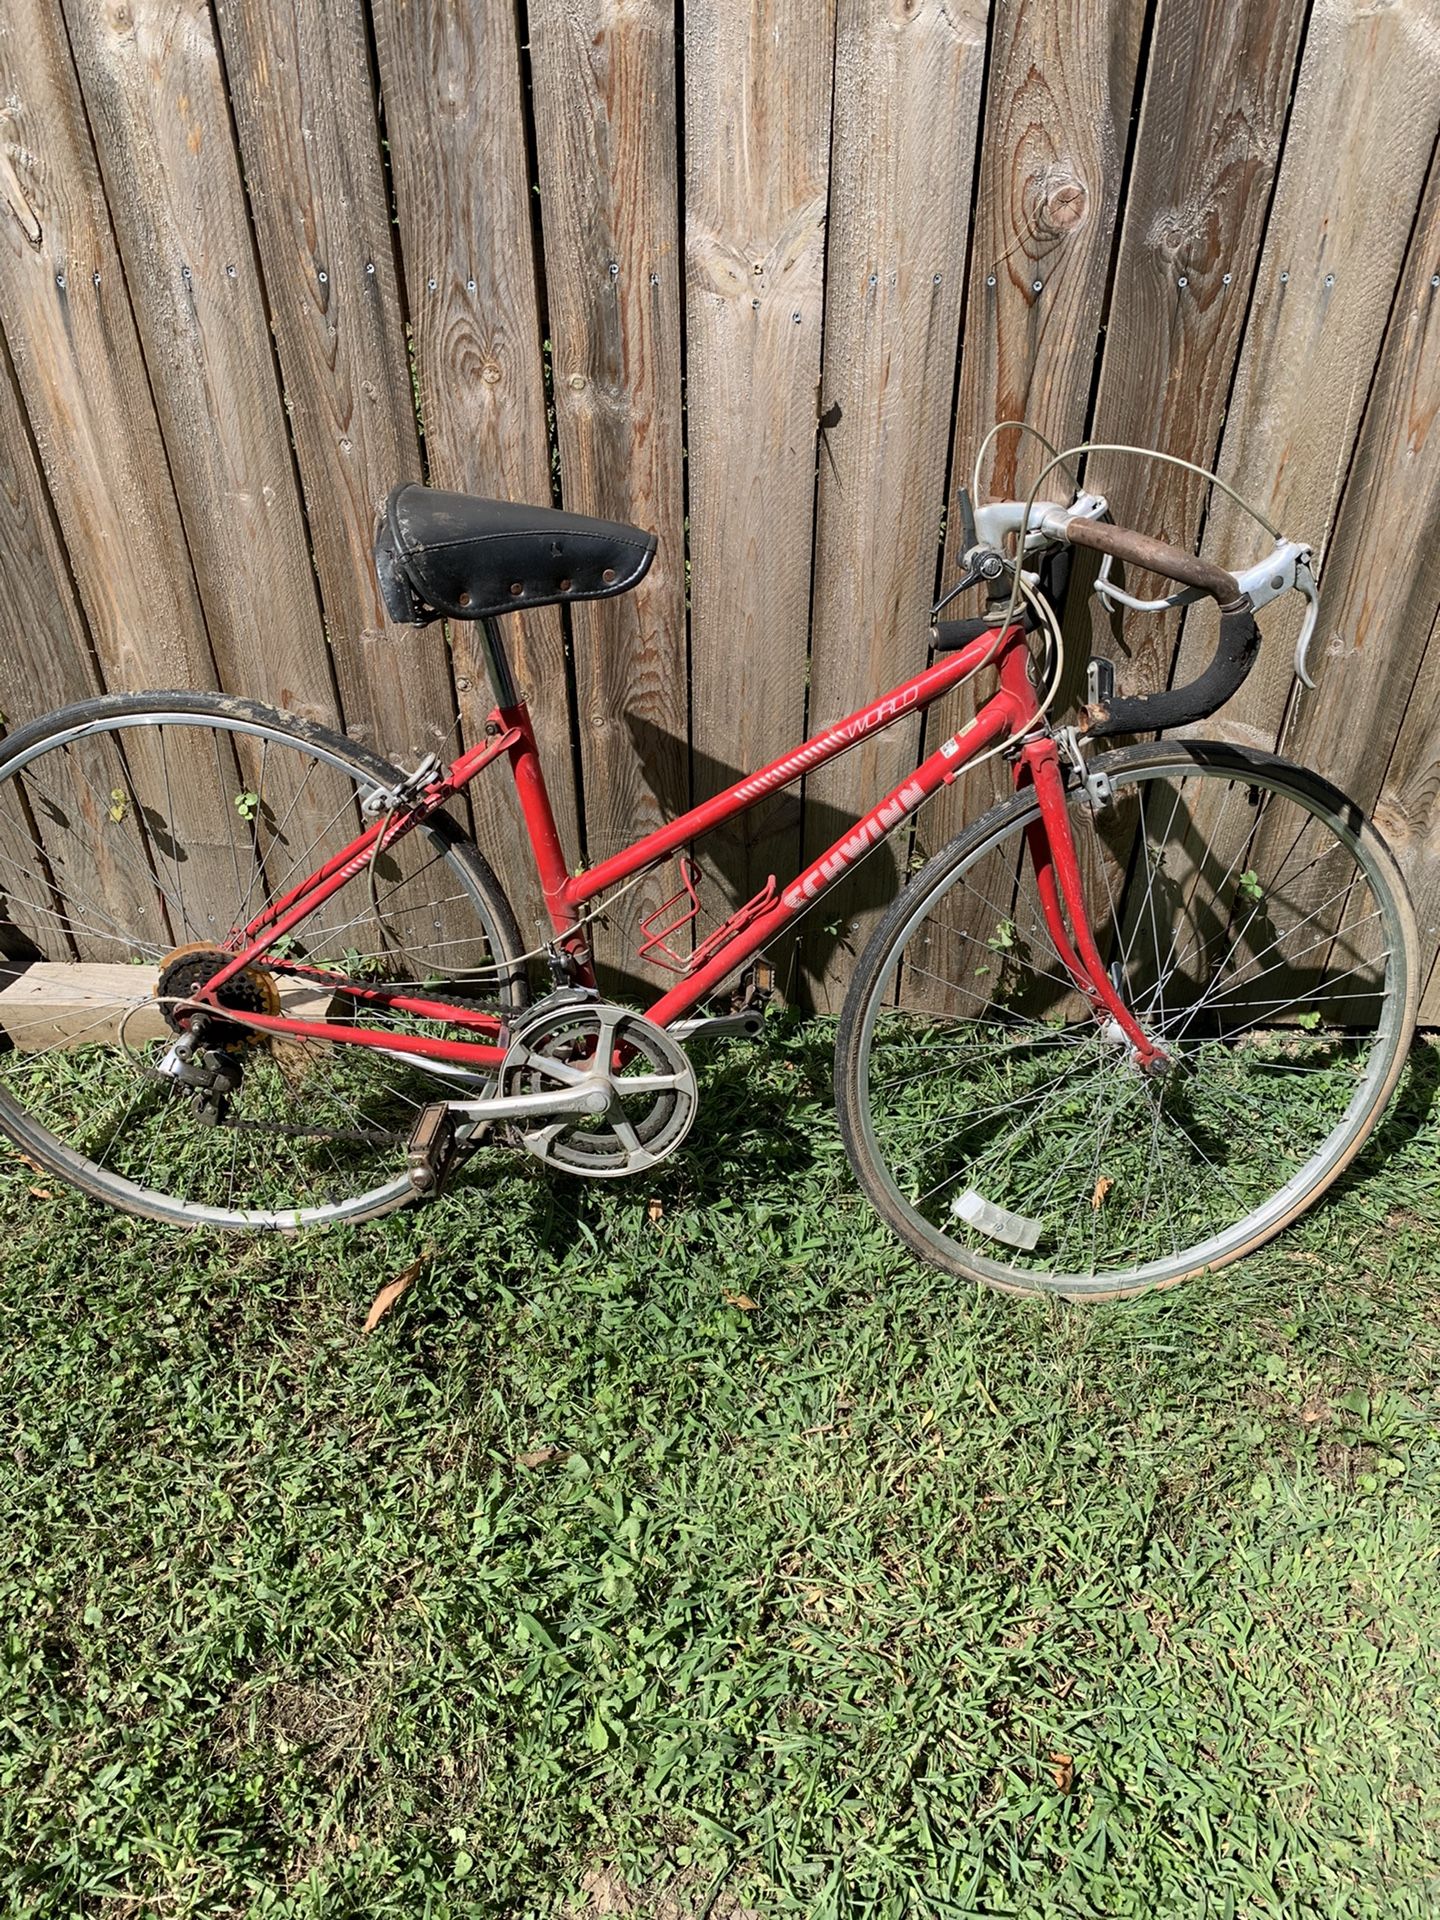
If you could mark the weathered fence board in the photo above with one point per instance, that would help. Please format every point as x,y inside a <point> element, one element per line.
<point>718,271</point>
<point>157,107</point>
<point>45,657</point>
<point>757,163</point>
<point>305,111</point>
<point>454,119</point>
<point>1408,812</point>
<point>45,662</point>
<point>605,116</point>
<point>1211,120</point>
<point>72,338</point>
<point>900,206</point>
<point>1385,556</point>
<point>1051,160</point>
<point>1354,164</point>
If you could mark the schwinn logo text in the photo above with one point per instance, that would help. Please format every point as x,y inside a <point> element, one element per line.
<point>845,735</point>
<point>873,827</point>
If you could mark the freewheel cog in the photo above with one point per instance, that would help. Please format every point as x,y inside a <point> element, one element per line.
<point>652,1085</point>
<point>186,970</point>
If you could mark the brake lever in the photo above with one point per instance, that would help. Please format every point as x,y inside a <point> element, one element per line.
<point>1286,570</point>
<point>1308,588</point>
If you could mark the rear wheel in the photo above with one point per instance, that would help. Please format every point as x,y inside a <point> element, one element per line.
<point>1260,931</point>
<point>137,833</point>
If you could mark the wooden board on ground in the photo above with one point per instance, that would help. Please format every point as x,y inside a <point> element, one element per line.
<point>56,1005</point>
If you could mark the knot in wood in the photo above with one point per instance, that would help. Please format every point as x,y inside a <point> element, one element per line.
<point>1065,205</point>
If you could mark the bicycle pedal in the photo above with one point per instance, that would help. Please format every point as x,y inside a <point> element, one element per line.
<point>431,1149</point>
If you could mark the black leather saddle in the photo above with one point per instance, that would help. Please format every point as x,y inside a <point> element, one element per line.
<point>452,556</point>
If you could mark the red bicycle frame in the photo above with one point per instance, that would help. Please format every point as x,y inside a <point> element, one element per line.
<point>1009,712</point>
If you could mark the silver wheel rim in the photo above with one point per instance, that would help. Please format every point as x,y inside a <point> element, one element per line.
<point>1253,1227</point>
<point>30,1130</point>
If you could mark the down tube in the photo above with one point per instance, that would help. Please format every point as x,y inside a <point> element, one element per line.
<point>996,718</point>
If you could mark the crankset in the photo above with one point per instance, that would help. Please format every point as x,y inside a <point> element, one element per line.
<point>571,1042</point>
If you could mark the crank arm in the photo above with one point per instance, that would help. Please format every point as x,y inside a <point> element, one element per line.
<point>718,1026</point>
<point>588,1095</point>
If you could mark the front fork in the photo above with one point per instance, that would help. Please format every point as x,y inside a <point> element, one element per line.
<point>1061,888</point>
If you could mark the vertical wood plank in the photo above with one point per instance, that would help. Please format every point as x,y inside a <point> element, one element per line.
<point>45,657</point>
<point>757,159</point>
<point>907,98</point>
<point>300,85</point>
<point>1061,83</point>
<point>1354,164</point>
<point>1408,810</point>
<point>605,116</point>
<point>151,78</point>
<point>1062,80</point>
<point>1375,621</point>
<point>1211,121</point>
<point>451,84</point>
<point>45,662</point>
<point>81,374</point>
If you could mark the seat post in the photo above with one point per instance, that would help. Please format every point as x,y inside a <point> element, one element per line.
<point>497,665</point>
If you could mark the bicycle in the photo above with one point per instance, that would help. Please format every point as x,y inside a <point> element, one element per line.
<point>1122,1029</point>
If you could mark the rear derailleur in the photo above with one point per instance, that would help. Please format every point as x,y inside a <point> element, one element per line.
<point>209,1074</point>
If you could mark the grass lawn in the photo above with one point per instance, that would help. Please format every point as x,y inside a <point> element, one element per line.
<point>690,1549</point>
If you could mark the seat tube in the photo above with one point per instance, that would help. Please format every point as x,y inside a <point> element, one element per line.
<point>534,795</point>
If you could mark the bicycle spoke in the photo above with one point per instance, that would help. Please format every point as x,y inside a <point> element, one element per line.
<point>1089,1172</point>
<point>271,1129</point>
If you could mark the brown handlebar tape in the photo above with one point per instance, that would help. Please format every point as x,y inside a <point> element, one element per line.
<point>1155,556</point>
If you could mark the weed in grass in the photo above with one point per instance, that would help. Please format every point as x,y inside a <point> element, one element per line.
<point>579,1586</point>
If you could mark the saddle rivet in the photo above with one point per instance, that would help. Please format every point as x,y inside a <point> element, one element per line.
<point>565,586</point>
<point>608,575</point>
<point>463,597</point>
<point>517,586</point>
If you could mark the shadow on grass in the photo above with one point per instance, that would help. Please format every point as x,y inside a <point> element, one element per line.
<point>1412,1106</point>
<point>764,1109</point>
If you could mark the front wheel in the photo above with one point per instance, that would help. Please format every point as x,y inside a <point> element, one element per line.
<point>1259,929</point>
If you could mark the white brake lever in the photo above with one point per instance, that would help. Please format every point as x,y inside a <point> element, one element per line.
<point>1285,570</point>
<point>1308,588</point>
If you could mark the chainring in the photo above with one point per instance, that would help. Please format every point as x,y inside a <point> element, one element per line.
<point>654,1097</point>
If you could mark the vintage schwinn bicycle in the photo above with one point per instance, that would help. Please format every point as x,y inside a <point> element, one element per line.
<point>1121,1030</point>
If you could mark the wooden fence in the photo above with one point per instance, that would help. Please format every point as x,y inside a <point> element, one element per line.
<point>756,274</point>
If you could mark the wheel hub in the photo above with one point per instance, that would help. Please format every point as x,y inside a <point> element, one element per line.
<point>185,971</point>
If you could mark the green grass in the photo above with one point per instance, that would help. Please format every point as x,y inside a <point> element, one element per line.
<point>576,1577</point>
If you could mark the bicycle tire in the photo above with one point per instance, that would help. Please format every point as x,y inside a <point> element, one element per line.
<point>956,1233</point>
<point>33,818</point>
